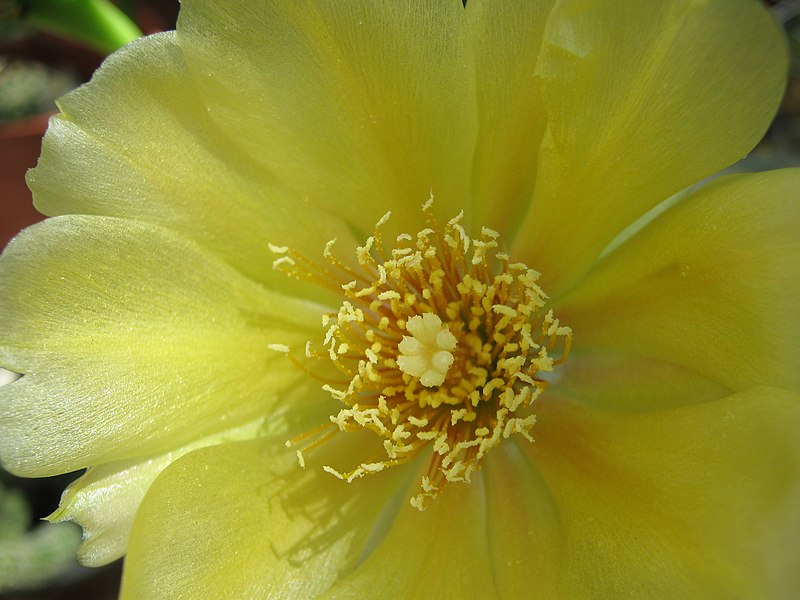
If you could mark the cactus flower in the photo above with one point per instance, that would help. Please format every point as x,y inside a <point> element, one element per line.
<point>376,299</point>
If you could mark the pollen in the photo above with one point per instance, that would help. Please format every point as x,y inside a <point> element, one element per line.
<point>444,345</point>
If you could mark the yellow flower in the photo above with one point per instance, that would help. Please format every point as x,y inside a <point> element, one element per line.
<point>620,422</point>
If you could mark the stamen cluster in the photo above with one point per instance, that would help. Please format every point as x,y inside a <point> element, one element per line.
<point>442,342</point>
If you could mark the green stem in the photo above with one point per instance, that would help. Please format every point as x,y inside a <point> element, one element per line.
<point>96,23</point>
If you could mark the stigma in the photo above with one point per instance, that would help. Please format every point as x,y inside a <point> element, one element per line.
<point>426,354</point>
<point>444,345</point>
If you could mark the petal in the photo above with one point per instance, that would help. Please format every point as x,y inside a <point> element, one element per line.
<point>441,552</point>
<point>137,142</point>
<point>507,37</point>
<point>696,502</point>
<point>133,341</point>
<point>618,380</point>
<point>643,99</point>
<point>523,529</point>
<point>243,520</point>
<point>104,500</point>
<point>710,286</point>
<point>362,105</point>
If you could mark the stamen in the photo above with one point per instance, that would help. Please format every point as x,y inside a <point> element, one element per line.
<point>443,342</point>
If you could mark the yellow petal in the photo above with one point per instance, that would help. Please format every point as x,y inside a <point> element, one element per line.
<point>615,379</point>
<point>643,99</point>
<point>710,286</point>
<point>697,502</point>
<point>104,500</point>
<point>133,341</point>
<point>137,142</point>
<point>439,553</point>
<point>506,36</point>
<point>361,105</point>
<point>523,529</point>
<point>243,520</point>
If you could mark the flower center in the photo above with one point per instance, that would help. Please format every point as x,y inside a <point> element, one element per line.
<point>426,354</point>
<point>441,341</point>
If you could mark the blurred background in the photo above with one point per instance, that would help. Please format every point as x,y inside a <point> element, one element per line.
<point>42,56</point>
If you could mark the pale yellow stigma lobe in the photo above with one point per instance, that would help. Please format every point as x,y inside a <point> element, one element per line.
<point>427,353</point>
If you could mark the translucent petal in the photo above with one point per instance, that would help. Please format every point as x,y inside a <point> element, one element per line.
<point>697,502</point>
<point>710,286</point>
<point>133,341</point>
<point>627,381</point>
<point>507,37</point>
<point>243,520</point>
<point>138,142</point>
<point>643,99</point>
<point>104,500</point>
<point>441,552</point>
<point>360,106</point>
<point>523,529</point>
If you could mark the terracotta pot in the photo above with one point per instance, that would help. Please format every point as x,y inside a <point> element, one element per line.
<point>20,143</point>
<point>20,140</point>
